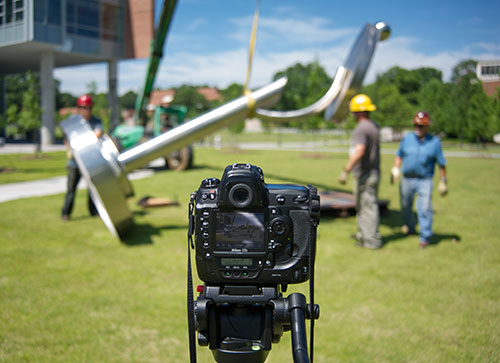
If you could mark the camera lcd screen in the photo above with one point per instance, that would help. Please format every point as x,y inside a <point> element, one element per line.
<point>239,230</point>
<point>236,261</point>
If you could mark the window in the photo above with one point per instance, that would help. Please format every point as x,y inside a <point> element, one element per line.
<point>11,11</point>
<point>490,70</point>
<point>110,22</point>
<point>54,12</point>
<point>82,18</point>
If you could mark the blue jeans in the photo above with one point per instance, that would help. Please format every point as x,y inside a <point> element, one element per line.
<point>423,188</point>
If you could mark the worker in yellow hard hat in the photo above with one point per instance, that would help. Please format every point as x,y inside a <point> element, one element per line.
<point>364,163</point>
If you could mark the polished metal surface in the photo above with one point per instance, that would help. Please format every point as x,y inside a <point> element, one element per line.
<point>342,77</point>
<point>97,162</point>
<point>357,62</point>
<point>104,169</point>
<point>199,127</point>
<point>347,81</point>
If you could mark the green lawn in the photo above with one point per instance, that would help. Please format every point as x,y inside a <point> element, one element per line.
<point>70,292</point>
<point>25,167</point>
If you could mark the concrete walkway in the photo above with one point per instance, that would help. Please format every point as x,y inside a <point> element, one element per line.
<point>49,186</point>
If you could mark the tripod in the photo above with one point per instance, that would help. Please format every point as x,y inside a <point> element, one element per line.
<point>240,323</point>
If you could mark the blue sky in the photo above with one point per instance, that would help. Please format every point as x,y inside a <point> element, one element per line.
<point>208,40</point>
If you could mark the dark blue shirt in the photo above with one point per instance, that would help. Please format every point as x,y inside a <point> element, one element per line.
<point>420,156</point>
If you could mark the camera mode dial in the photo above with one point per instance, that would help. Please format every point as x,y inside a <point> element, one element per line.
<point>280,226</point>
<point>210,182</point>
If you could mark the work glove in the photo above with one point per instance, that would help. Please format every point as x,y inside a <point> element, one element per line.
<point>394,174</point>
<point>343,177</point>
<point>442,187</point>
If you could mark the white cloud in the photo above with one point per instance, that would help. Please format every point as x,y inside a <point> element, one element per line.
<point>305,42</point>
<point>289,31</point>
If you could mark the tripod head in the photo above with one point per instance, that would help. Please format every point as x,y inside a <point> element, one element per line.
<point>240,323</point>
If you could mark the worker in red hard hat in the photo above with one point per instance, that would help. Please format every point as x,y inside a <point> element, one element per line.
<point>418,152</point>
<point>84,105</point>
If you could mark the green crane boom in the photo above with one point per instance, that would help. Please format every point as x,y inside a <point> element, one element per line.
<point>155,56</point>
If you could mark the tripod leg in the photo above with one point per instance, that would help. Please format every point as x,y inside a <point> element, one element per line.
<point>297,307</point>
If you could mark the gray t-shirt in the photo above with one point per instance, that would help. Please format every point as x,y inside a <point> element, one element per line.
<point>367,133</point>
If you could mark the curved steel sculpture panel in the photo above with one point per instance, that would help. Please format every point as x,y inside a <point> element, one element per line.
<point>104,169</point>
<point>347,81</point>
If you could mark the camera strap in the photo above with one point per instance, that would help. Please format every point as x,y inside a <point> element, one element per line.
<point>314,215</point>
<point>190,297</point>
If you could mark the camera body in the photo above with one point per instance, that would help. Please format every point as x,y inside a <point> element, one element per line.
<point>249,232</point>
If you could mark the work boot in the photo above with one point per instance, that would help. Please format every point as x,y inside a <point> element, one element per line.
<point>423,244</point>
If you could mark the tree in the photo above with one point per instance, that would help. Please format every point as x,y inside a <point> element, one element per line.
<point>393,109</point>
<point>190,97</point>
<point>435,97</point>
<point>408,82</point>
<point>306,84</point>
<point>65,99</point>
<point>127,101</point>
<point>25,116</point>
<point>476,121</point>
<point>233,91</point>
<point>462,69</point>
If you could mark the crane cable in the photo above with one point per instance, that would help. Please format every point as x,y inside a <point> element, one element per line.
<point>251,47</point>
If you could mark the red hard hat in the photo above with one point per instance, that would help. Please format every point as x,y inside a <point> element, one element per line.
<point>422,118</point>
<point>84,101</point>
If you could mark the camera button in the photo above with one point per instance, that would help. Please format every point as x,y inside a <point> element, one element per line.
<point>205,223</point>
<point>300,199</point>
<point>259,263</point>
<point>208,255</point>
<point>204,196</point>
<point>268,263</point>
<point>280,199</point>
<point>227,274</point>
<point>206,213</point>
<point>274,212</point>
<point>212,196</point>
<point>206,244</point>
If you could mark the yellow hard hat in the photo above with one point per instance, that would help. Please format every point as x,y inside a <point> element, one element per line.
<point>360,103</point>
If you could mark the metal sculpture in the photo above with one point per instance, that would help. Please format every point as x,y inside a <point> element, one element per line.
<point>347,81</point>
<point>105,169</point>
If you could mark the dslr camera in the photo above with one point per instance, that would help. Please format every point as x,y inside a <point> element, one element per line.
<point>250,232</point>
<point>250,239</point>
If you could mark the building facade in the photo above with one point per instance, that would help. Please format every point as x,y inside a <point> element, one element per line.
<point>489,74</point>
<point>41,35</point>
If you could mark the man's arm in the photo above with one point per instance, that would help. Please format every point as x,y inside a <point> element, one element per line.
<point>442,172</point>
<point>359,151</point>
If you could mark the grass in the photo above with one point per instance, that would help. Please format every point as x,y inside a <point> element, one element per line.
<point>26,167</point>
<point>71,292</point>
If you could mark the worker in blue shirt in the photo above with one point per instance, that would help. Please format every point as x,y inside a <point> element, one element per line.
<point>419,152</point>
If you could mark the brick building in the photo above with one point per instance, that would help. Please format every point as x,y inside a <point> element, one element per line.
<point>489,74</point>
<point>41,35</point>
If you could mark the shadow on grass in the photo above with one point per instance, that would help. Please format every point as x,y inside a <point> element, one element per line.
<point>166,168</point>
<point>288,179</point>
<point>394,220</point>
<point>142,234</point>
